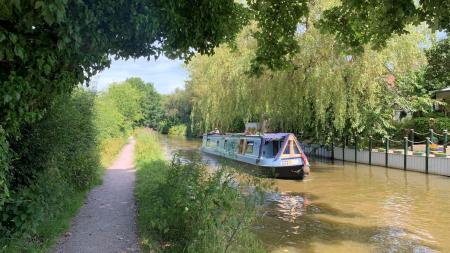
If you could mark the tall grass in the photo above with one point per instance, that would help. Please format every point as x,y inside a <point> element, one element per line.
<point>186,208</point>
<point>109,149</point>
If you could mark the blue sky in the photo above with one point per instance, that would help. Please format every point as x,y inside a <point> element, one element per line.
<point>164,73</point>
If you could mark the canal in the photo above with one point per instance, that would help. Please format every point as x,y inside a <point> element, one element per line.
<point>344,207</point>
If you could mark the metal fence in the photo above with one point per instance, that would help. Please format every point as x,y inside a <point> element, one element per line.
<point>433,159</point>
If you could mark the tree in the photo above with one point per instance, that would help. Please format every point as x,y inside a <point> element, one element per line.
<point>437,73</point>
<point>177,107</point>
<point>359,22</point>
<point>127,100</point>
<point>48,47</point>
<point>324,89</point>
<point>150,102</point>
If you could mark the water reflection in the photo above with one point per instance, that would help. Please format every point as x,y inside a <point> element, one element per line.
<point>344,207</point>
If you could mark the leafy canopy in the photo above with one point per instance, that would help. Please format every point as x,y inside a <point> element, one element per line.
<point>47,47</point>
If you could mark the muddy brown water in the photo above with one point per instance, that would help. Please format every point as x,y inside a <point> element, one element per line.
<point>345,207</point>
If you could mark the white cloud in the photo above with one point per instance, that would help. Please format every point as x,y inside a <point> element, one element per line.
<point>164,73</point>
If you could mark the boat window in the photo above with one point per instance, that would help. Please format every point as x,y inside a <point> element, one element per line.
<point>296,151</point>
<point>210,143</point>
<point>249,148</point>
<point>225,144</point>
<point>275,145</point>
<point>287,150</point>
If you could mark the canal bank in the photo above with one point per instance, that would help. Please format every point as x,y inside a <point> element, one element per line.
<point>344,207</point>
<point>387,158</point>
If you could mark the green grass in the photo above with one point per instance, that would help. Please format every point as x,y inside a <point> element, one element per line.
<point>186,208</point>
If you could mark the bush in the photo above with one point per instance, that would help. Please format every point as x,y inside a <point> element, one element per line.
<point>178,130</point>
<point>163,127</point>
<point>4,167</point>
<point>423,125</point>
<point>56,162</point>
<point>185,208</point>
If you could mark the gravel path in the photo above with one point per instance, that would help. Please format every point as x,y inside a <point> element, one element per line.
<point>106,222</point>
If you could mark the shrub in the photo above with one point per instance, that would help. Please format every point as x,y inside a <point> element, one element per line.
<point>56,160</point>
<point>424,124</point>
<point>178,130</point>
<point>163,127</point>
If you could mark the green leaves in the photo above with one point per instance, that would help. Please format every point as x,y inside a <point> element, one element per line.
<point>358,22</point>
<point>437,72</point>
<point>277,23</point>
<point>189,208</point>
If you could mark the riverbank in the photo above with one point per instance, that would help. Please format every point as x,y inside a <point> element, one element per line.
<point>184,208</point>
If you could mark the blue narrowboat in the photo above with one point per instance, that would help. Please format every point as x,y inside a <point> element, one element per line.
<point>278,154</point>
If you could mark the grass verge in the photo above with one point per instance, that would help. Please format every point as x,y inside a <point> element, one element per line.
<point>187,208</point>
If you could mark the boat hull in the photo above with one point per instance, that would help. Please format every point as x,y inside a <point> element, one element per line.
<point>289,172</point>
<point>285,172</point>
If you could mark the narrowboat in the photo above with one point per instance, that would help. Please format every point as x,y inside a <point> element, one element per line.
<point>277,154</point>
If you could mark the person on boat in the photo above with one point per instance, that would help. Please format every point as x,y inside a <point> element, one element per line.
<point>215,131</point>
<point>306,168</point>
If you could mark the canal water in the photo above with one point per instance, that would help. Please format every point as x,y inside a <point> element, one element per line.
<point>345,207</point>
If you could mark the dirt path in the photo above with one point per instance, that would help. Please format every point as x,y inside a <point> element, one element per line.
<point>106,222</point>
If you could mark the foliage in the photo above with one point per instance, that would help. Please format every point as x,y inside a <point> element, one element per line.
<point>56,160</point>
<point>177,110</point>
<point>357,22</point>
<point>412,93</point>
<point>437,72</point>
<point>178,130</point>
<point>64,139</point>
<point>110,148</point>
<point>48,47</point>
<point>151,104</point>
<point>4,167</point>
<point>110,123</point>
<point>277,22</point>
<point>324,91</point>
<point>184,208</point>
<point>127,100</point>
<point>424,124</point>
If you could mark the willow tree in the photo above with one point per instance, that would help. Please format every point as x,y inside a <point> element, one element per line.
<point>325,89</point>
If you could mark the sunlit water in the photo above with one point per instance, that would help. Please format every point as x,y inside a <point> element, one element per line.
<point>344,207</point>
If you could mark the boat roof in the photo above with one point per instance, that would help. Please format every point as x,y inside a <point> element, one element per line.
<point>274,136</point>
<point>266,136</point>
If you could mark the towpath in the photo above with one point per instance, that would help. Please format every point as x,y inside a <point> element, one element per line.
<point>106,222</point>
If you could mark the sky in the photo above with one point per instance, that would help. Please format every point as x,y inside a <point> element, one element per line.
<point>164,73</point>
